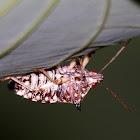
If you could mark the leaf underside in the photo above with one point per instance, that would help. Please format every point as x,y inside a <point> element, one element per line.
<point>49,32</point>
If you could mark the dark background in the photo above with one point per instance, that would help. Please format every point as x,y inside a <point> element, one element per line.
<point>102,116</point>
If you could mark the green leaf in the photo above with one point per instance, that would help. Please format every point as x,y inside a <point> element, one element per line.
<point>40,34</point>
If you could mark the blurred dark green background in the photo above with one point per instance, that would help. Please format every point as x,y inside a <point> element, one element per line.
<point>101,118</point>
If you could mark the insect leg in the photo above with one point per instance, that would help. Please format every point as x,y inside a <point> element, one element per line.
<point>45,73</point>
<point>58,81</point>
<point>86,60</point>
<point>81,62</point>
<point>73,63</point>
<point>46,86</point>
<point>17,81</point>
<point>55,82</point>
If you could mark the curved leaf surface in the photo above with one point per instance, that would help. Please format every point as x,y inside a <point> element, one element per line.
<point>58,37</point>
<point>73,28</point>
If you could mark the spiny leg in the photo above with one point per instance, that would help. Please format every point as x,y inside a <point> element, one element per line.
<point>17,81</point>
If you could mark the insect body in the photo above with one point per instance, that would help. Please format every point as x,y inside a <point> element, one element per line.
<point>72,91</point>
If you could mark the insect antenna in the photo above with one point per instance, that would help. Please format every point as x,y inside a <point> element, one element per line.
<point>115,56</point>
<point>115,97</point>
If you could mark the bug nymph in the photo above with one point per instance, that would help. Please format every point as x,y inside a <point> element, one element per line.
<point>67,84</point>
<point>71,86</point>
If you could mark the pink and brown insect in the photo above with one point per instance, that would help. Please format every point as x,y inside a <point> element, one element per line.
<point>67,84</point>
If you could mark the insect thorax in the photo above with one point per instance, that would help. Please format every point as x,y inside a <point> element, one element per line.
<point>72,91</point>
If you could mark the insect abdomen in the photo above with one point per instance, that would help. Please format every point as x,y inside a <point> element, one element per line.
<point>72,91</point>
<point>34,80</point>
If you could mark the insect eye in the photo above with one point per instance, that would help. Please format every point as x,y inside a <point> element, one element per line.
<point>94,84</point>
